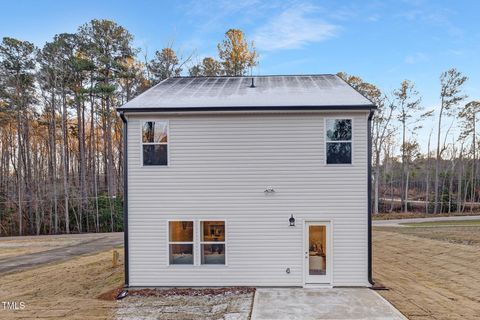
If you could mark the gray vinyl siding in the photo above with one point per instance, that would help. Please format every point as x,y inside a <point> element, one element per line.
<point>219,167</point>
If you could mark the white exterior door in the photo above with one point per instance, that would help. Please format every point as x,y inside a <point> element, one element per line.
<point>318,253</point>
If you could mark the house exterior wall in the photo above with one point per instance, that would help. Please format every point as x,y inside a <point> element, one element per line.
<point>219,167</point>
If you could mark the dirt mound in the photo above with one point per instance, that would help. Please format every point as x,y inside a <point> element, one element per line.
<point>111,294</point>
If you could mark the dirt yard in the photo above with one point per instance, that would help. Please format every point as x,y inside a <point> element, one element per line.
<point>84,288</point>
<point>432,272</point>
<point>66,290</point>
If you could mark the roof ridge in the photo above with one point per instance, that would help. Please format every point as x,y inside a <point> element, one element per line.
<point>260,76</point>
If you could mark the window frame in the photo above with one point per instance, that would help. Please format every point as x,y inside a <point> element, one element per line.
<point>142,122</point>
<point>197,249</point>
<point>200,243</point>
<point>193,243</point>
<point>351,141</point>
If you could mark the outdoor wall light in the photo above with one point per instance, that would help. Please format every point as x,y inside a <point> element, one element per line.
<point>269,190</point>
<point>292,221</point>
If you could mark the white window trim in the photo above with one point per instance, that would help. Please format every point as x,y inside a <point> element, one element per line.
<point>197,249</point>
<point>349,141</point>
<point>142,122</point>
<point>193,243</point>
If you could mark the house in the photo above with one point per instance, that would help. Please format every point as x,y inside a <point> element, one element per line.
<point>248,181</point>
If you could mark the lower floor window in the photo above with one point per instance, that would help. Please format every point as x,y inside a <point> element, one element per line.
<point>180,237</point>
<point>181,243</point>
<point>212,242</point>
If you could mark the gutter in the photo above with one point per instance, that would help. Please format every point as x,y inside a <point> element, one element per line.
<point>125,195</point>
<point>369,191</point>
<point>247,108</point>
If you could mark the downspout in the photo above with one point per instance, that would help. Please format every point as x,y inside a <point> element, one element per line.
<point>125,195</point>
<point>369,191</point>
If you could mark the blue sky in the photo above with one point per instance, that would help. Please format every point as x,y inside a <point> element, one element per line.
<point>384,42</point>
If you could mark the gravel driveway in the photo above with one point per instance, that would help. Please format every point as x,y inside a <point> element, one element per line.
<point>82,244</point>
<point>225,305</point>
<point>399,222</point>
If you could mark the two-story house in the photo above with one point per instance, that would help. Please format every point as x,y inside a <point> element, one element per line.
<point>248,181</point>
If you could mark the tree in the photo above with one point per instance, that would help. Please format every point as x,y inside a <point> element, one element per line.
<point>164,65</point>
<point>131,78</point>
<point>408,104</point>
<point>108,44</point>
<point>451,83</point>
<point>17,66</point>
<point>236,55</point>
<point>410,153</point>
<point>49,77</point>
<point>211,67</point>
<point>382,129</point>
<point>468,116</point>
<point>195,71</point>
<point>208,68</point>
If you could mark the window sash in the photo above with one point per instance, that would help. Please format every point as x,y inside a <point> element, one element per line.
<point>203,257</point>
<point>212,242</point>
<point>164,160</point>
<point>154,143</point>
<point>339,163</point>
<point>173,243</point>
<point>328,139</point>
<point>162,124</point>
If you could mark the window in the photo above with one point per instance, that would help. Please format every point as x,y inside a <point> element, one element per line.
<point>180,242</point>
<point>339,141</point>
<point>212,242</point>
<point>155,143</point>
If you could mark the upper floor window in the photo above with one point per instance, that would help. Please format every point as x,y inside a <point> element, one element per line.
<point>339,141</point>
<point>155,143</point>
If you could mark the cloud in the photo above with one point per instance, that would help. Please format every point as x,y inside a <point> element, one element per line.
<point>293,28</point>
<point>433,15</point>
<point>373,18</point>
<point>416,58</point>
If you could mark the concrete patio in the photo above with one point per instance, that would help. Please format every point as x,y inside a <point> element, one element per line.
<point>336,303</point>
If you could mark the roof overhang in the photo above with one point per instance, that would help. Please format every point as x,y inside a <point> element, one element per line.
<point>362,107</point>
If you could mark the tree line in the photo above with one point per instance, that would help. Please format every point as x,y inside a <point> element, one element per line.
<point>60,138</point>
<point>61,141</point>
<point>405,178</point>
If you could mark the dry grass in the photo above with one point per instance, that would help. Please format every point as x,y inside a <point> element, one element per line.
<point>468,235</point>
<point>410,215</point>
<point>429,274</point>
<point>66,290</point>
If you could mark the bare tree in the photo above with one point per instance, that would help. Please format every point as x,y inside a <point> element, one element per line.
<point>451,83</point>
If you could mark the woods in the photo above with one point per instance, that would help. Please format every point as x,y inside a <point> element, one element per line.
<point>60,137</point>
<point>61,140</point>
<point>442,178</point>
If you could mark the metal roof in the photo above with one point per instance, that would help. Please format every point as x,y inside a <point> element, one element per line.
<point>236,93</point>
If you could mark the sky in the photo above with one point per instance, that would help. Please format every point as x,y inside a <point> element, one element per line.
<point>384,42</point>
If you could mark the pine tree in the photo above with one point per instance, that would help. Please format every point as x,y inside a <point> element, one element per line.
<point>236,55</point>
